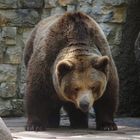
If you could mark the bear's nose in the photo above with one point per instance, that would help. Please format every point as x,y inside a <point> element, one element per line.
<point>84,105</point>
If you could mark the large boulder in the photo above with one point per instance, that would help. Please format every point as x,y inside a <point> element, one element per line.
<point>4,131</point>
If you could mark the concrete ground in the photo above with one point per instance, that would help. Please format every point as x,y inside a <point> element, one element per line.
<point>129,129</point>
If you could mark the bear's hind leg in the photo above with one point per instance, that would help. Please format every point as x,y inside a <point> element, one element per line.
<point>78,119</point>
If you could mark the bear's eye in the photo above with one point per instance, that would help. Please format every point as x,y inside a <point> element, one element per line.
<point>76,89</point>
<point>92,88</point>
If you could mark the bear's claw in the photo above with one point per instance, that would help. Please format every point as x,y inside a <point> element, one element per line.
<point>107,127</point>
<point>33,127</point>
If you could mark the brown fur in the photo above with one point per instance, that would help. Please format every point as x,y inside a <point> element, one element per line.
<point>75,40</point>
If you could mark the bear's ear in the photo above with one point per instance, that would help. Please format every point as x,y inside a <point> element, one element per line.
<point>101,63</point>
<point>63,68</point>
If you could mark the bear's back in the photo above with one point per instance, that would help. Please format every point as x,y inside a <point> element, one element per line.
<point>53,34</point>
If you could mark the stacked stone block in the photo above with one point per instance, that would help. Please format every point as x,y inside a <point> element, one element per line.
<point>18,17</point>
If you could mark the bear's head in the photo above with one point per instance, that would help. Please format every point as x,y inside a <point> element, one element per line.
<point>81,81</point>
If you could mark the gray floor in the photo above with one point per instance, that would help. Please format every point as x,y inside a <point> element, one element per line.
<point>129,129</point>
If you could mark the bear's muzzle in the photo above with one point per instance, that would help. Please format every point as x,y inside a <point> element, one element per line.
<point>85,100</point>
<point>84,105</point>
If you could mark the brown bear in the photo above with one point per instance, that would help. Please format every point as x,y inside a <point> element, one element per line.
<point>69,64</point>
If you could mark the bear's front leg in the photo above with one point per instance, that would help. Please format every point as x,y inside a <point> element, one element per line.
<point>43,118</point>
<point>78,119</point>
<point>41,106</point>
<point>105,109</point>
<point>40,124</point>
<point>35,124</point>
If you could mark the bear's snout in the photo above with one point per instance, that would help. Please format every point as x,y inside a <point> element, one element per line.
<point>85,100</point>
<point>84,105</point>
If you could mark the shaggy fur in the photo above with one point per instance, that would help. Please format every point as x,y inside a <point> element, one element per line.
<point>78,41</point>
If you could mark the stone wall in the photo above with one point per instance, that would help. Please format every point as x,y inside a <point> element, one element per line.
<point>128,62</point>
<point>18,17</point>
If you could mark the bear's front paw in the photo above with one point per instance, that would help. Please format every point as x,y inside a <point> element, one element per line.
<point>107,126</point>
<point>35,127</point>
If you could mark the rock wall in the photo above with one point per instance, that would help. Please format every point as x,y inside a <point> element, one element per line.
<point>136,105</point>
<point>18,17</point>
<point>127,62</point>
